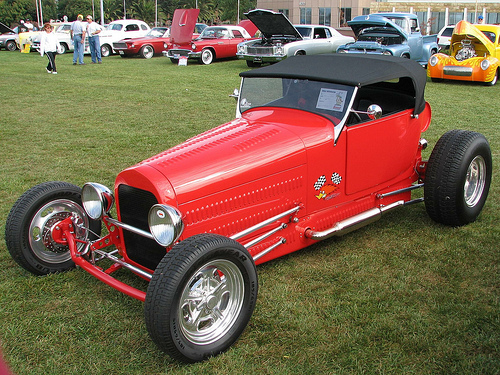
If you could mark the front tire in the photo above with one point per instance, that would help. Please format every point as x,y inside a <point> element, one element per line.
<point>493,81</point>
<point>201,297</point>
<point>28,230</point>
<point>147,52</point>
<point>207,56</point>
<point>11,45</point>
<point>458,177</point>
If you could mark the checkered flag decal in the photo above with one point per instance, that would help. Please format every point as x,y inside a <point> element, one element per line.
<point>336,178</point>
<point>318,184</point>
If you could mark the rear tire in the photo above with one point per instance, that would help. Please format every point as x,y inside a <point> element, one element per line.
<point>106,50</point>
<point>11,45</point>
<point>458,178</point>
<point>201,297</point>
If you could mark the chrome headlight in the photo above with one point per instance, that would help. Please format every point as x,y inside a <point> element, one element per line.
<point>193,46</point>
<point>433,60</point>
<point>97,200</point>
<point>241,49</point>
<point>485,64</point>
<point>165,224</point>
<point>278,50</point>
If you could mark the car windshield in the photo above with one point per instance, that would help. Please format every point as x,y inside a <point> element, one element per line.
<point>331,100</point>
<point>401,22</point>
<point>490,35</point>
<point>214,33</point>
<point>157,32</point>
<point>306,32</point>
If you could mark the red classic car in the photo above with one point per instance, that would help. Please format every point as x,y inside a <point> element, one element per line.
<point>215,42</point>
<point>147,46</point>
<point>314,152</point>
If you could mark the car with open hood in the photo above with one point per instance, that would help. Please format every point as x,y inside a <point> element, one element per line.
<point>474,55</point>
<point>9,39</point>
<point>280,39</point>
<point>214,42</point>
<point>391,34</point>
<point>314,152</point>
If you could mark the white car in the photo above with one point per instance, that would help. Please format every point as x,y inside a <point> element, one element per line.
<point>61,31</point>
<point>280,39</point>
<point>444,36</point>
<point>118,30</point>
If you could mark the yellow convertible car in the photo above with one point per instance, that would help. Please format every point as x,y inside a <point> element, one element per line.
<point>474,55</point>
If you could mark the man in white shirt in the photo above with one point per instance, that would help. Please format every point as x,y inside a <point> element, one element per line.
<point>77,31</point>
<point>93,30</point>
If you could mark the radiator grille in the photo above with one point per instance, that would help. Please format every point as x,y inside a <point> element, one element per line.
<point>134,208</point>
<point>260,50</point>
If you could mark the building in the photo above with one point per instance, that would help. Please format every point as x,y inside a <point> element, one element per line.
<point>433,14</point>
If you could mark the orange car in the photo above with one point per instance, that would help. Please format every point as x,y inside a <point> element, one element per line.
<point>474,55</point>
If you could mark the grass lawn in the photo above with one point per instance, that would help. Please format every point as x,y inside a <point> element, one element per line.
<point>401,296</point>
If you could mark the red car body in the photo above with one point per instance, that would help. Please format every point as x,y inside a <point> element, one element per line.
<point>147,46</point>
<point>215,42</point>
<point>313,152</point>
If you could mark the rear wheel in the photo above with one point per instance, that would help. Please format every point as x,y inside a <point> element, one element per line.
<point>147,52</point>
<point>458,177</point>
<point>28,230</point>
<point>201,297</point>
<point>106,50</point>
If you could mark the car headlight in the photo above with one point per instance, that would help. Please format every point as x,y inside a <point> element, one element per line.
<point>165,224</point>
<point>97,200</point>
<point>193,46</point>
<point>241,49</point>
<point>485,64</point>
<point>433,60</point>
<point>278,50</point>
<point>165,45</point>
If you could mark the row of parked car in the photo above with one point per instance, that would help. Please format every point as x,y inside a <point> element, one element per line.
<point>269,37</point>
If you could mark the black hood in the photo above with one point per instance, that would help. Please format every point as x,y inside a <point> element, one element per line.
<point>4,29</point>
<point>272,23</point>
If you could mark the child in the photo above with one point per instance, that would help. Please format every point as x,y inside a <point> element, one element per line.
<point>49,45</point>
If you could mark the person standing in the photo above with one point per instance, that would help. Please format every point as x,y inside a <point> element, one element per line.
<point>49,44</point>
<point>77,32</point>
<point>93,30</point>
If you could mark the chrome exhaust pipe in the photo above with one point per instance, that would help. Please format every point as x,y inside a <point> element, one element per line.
<point>352,223</point>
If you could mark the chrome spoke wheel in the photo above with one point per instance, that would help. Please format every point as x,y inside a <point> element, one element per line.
<point>211,302</point>
<point>475,181</point>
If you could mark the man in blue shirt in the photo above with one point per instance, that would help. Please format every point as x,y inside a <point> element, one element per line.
<point>77,32</point>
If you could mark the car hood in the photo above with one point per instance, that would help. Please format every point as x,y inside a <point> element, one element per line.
<point>183,24</point>
<point>263,142</point>
<point>464,29</point>
<point>4,29</point>
<point>272,23</point>
<point>361,23</point>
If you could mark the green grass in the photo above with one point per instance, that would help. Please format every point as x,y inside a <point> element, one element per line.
<point>403,295</point>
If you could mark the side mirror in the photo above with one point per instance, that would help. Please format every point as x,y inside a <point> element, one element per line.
<point>374,112</point>
<point>235,94</point>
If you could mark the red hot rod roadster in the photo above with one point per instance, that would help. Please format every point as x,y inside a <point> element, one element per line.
<point>320,146</point>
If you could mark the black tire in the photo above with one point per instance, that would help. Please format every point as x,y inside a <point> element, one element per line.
<point>252,64</point>
<point>207,56</point>
<point>11,45</point>
<point>27,230</point>
<point>458,177</point>
<point>106,50</point>
<point>229,288</point>
<point>147,52</point>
